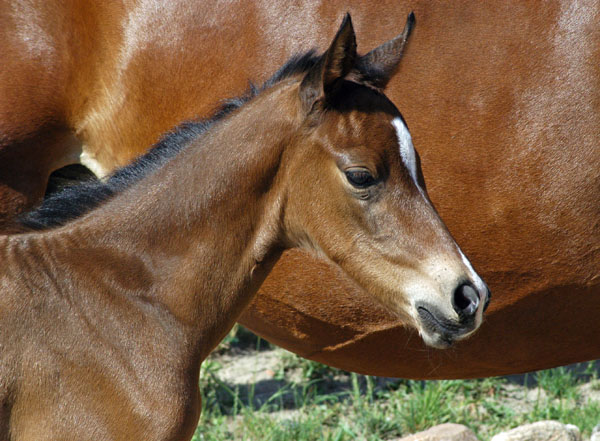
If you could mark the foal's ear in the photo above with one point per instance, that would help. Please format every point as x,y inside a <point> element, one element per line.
<point>322,79</point>
<point>378,66</point>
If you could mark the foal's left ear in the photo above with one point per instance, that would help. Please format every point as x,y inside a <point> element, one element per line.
<point>322,79</point>
<point>378,66</point>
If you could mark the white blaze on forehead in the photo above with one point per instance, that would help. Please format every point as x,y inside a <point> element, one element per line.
<point>407,150</point>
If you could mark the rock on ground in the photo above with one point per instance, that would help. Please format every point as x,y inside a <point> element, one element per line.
<point>596,433</point>
<point>443,432</point>
<point>541,431</point>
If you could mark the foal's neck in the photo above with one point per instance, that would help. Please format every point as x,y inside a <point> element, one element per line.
<point>204,229</point>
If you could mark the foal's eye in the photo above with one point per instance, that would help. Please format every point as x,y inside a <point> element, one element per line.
<point>360,177</point>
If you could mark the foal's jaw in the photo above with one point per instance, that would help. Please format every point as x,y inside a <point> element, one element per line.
<point>441,297</point>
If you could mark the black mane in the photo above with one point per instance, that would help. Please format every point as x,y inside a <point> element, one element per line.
<point>77,200</point>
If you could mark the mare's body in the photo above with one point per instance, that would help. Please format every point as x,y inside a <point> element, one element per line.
<point>502,98</point>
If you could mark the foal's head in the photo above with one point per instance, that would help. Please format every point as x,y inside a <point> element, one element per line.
<point>356,194</point>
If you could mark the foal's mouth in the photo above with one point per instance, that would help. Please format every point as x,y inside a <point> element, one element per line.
<point>442,332</point>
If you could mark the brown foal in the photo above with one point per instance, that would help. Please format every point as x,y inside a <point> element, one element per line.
<point>107,317</point>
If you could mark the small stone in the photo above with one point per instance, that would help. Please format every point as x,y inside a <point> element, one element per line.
<point>541,431</point>
<point>574,431</point>
<point>596,433</point>
<point>443,432</point>
<point>536,395</point>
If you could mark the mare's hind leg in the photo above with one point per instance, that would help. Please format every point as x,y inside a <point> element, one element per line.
<point>5,409</point>
<point>25,167</point>
<point>4,419</point>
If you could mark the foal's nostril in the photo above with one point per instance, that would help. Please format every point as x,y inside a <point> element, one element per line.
<point>487,299</point>
<point>465,300</point>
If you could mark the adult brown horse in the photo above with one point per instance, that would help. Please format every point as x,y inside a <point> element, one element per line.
<point>107,318</point>
<point>501,97</point>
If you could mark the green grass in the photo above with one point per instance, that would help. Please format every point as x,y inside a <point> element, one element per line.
<point>371,408</point>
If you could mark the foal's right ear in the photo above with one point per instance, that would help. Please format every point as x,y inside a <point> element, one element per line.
<point>378,66</point>
<point>322,79</point>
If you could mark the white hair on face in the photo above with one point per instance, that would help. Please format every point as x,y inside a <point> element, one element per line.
<point>409,158</point>
<point>407,150</point>
<point>477,280</point>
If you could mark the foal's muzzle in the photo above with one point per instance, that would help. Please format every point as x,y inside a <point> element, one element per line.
<point>467,301</point>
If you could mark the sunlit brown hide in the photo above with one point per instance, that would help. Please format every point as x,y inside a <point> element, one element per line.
<point>502,100</point>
